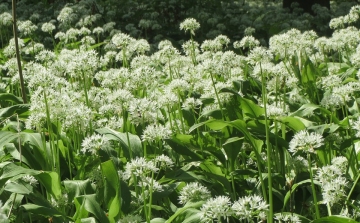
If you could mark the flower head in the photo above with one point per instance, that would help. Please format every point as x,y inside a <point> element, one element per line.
<point>193,192</point>
<point>216,208</point>
<point>249,207</point>
<point>190,24</point>
<point>94,143</point>
<point>305,141</point>
<point>130,219</point>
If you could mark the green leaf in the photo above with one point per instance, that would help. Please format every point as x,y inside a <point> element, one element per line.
<point>10,97</point>
<point>214,124</point>
<point>51,182</point>
<point>183,209</point>
<point>181,148</point>
<point>293,188</point>
<point>39,149</point>
<point>7,137</point>
<point>19,187</point>
<point>89,202</point>
<point>77,188</point>
<point>293,123</point>
<point>334,219</point>
<point>135,142</point>
<point>112,193</point>
<point>41,210</point>
<point>308,109</point>
<point>9,170</point>
<point>250,109</point>
<point>9,111</point>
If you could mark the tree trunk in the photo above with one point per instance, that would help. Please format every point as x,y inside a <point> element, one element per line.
<point>306,4</point>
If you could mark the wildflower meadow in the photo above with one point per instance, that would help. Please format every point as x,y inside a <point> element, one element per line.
<point>179,111</point>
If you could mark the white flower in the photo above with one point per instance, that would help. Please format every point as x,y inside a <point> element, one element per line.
<point>148,182</point>
<point>27,28</point>
<point>193,192</point>
<point>155,132</point>
<point>98,30</point>
<point>94,143</point>
<point>216,209</point>
<point>30,180</point>
<point>246,42</point>
<point>47,27</point>
<point>190,24</point>
<point>192,103</point>
<point>139,167</point>
<point>287,218</point>
<point>130,219</point>
<point>164,161</point>
<point>249,207</point>
<point>66,15</point>
<point>306,142</point>
<point>122,40</point>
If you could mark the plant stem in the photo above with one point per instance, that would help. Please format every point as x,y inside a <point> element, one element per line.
<point>23,92</point>
<point>268,149</point>
<point>317,212</point>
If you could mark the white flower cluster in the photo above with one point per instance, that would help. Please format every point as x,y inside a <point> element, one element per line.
<point>131,219</point>
<point>305,142</point>
<point>94,143</point>
<point>333,182</point>
<point>193,192</point>
<point>287,218</point>
<point>246,208</point>
<point>190,24</point>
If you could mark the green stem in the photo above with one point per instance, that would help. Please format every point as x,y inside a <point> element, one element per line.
<point>268,149</point>
<point>150,194</point>
<point>87,101</point>
<point>217,95</point>
<point>23,92</point>
<point>317,212</point>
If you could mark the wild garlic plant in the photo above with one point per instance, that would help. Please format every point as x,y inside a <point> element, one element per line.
<point>234,124</point>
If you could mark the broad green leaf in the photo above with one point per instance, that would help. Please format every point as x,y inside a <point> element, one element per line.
<point>41,210</point>
<point>10,170</point>
<point>334,219</point>
<point>232,147</point>
<point>194,218</point>
<point>293,123</point>
<point>51,182</point>
<point>9,111</point>
<point>135,142</point>
<point>7,137</point>
<point>19,187</point>
<point>112,193</point>
<point>216,114</point>
<point>183,209</point>
<point>308,109</point>
<point>182,148</point>
<point>77,188</point>
<point>250,109</point>
<point>40,151</point>
<point>10,97</point>
<point>214,124</point>
<point>293,188</point>
<point>89,202</point>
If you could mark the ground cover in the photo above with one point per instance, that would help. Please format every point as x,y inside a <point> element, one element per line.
<point>175,112</point>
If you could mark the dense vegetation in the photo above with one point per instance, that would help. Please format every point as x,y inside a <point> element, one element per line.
<point>179,111</point>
